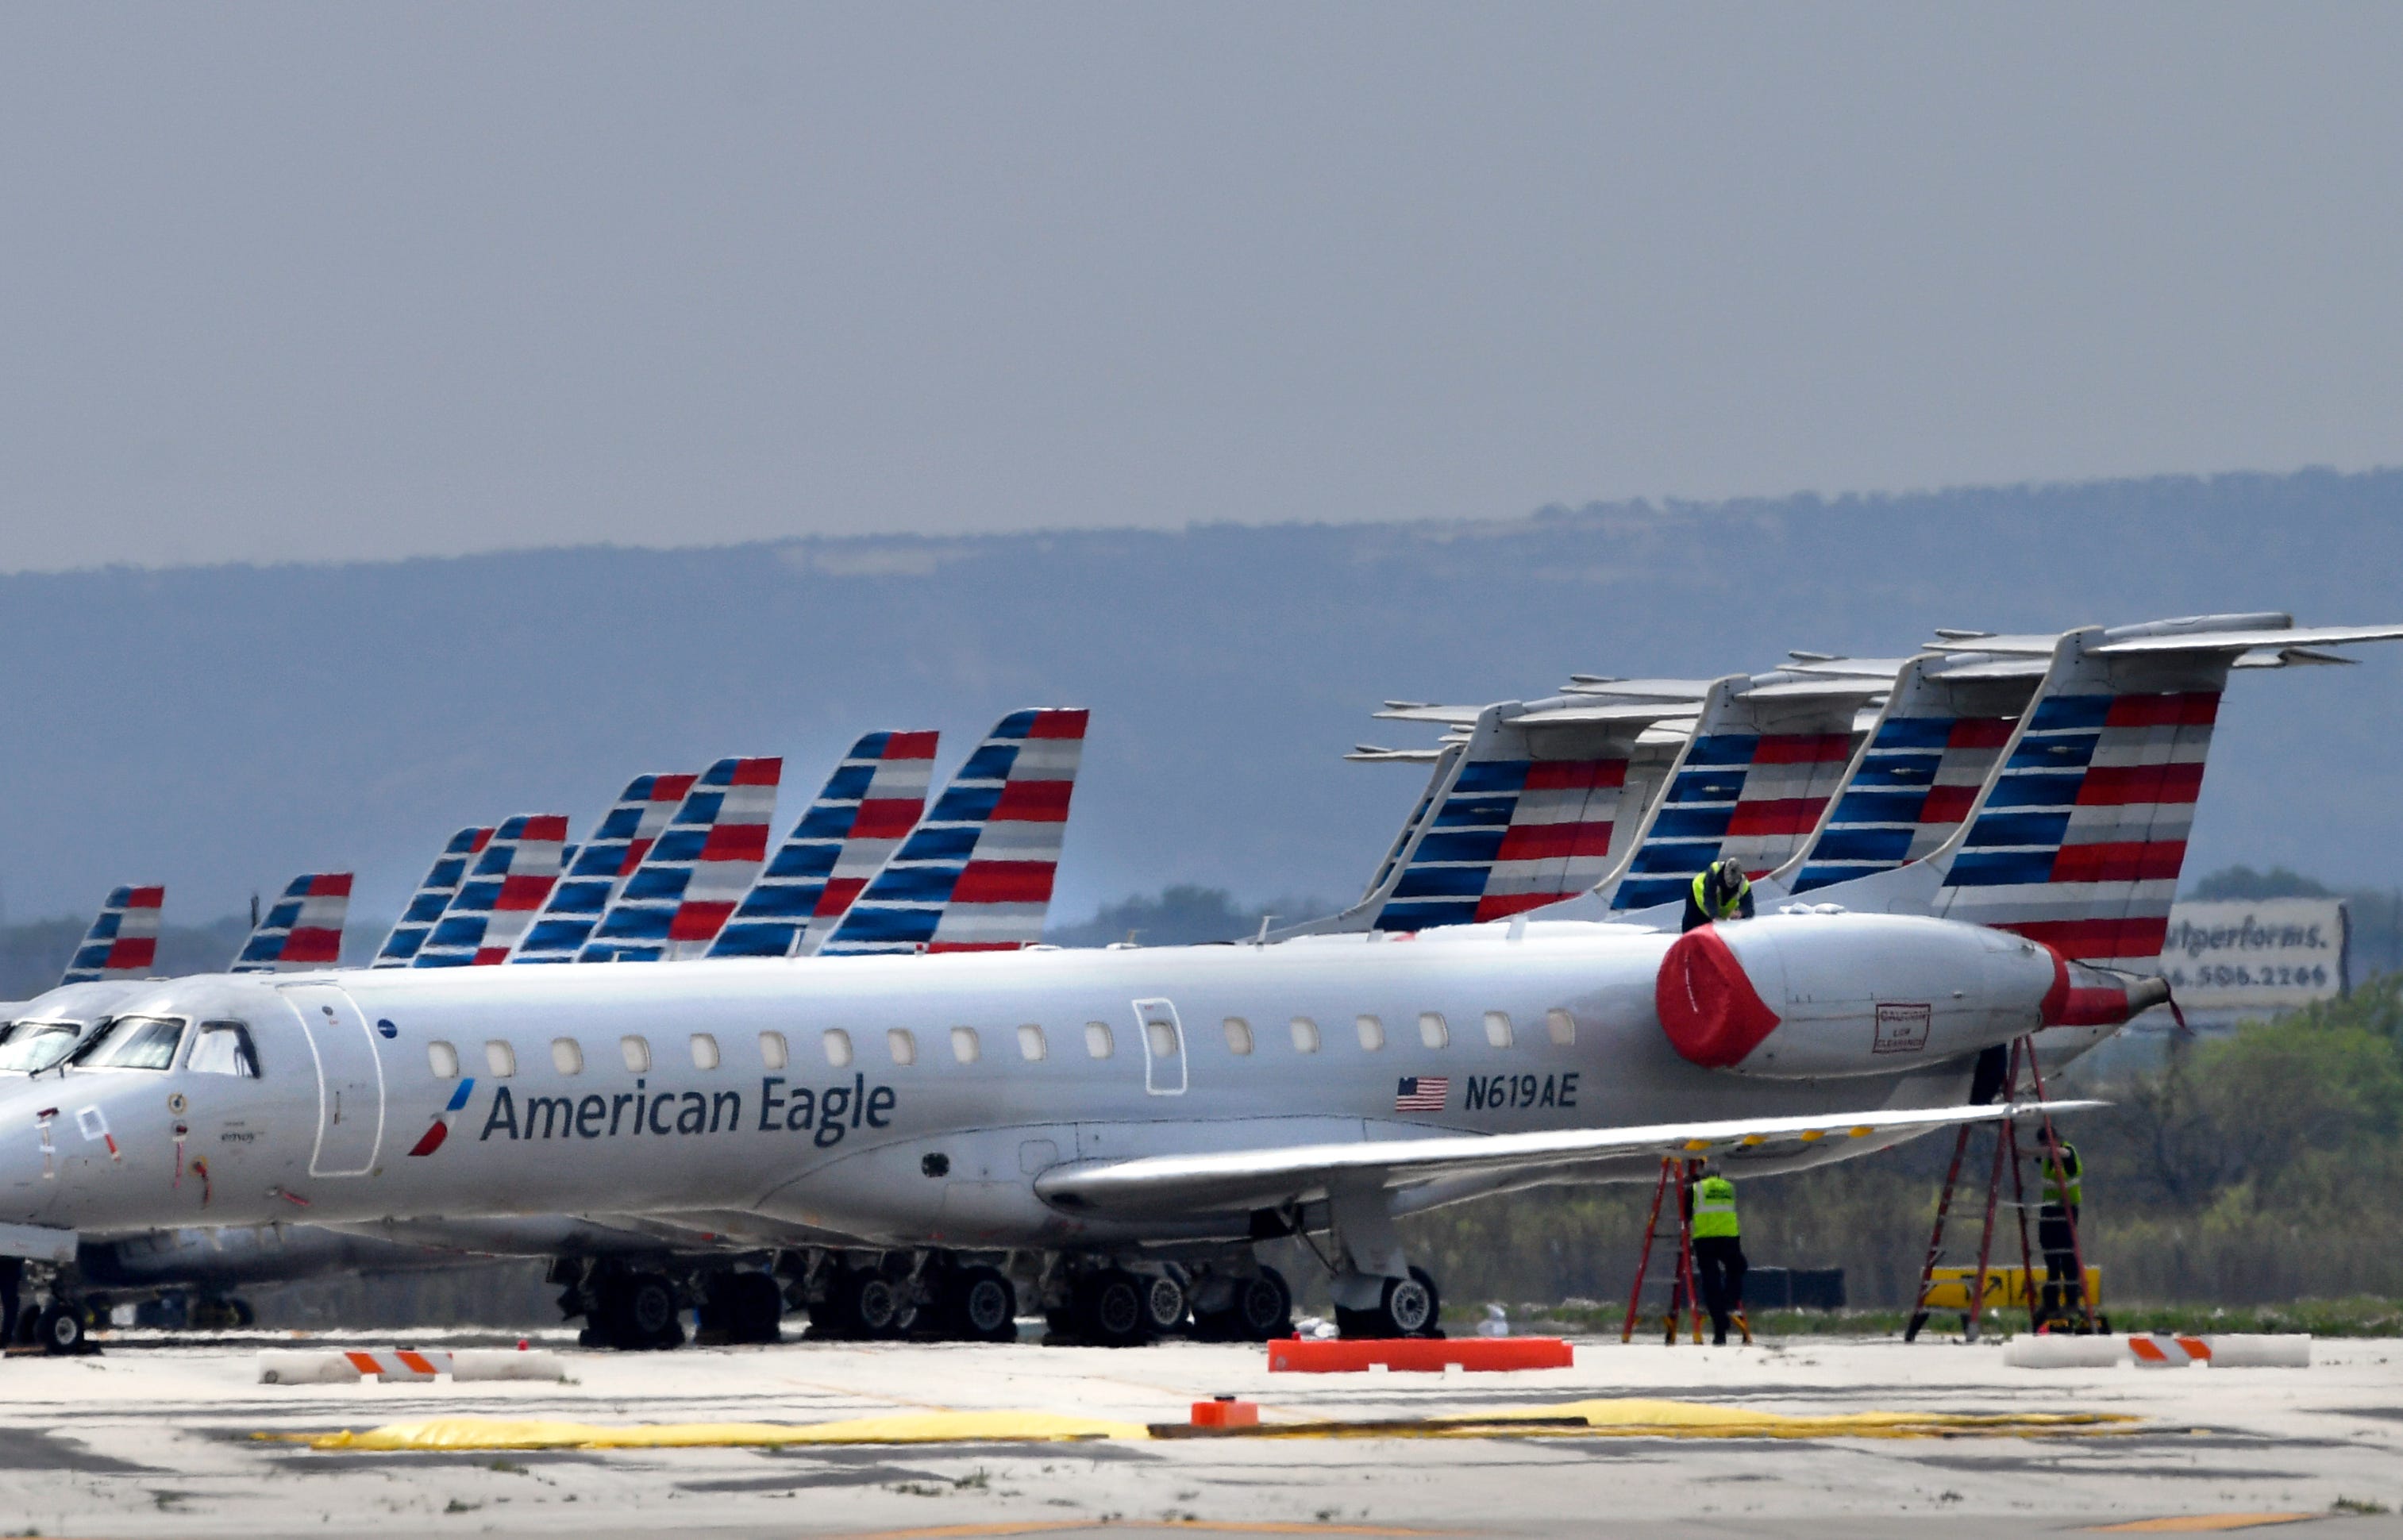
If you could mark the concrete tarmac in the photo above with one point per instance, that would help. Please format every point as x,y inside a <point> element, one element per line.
<point>157,1440</point>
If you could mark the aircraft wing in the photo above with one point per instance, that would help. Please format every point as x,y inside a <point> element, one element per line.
<point>1265,1177</point>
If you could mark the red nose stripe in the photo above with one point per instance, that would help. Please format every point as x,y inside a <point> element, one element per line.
<point>1708,1008</point>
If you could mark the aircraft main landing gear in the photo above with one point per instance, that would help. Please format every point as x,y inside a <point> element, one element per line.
<point>862,1303</point>
<point>1254,1307</point>
<point>633,1311</point>
<point>1408,1307</point>
<point>982,1305</point>
<point>62,1327</point>
<point>743,1307</point>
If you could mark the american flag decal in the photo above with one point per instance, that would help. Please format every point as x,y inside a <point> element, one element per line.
<point>1422,1092</point>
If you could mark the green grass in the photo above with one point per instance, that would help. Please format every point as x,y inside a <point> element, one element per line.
<point>2362,1316</point>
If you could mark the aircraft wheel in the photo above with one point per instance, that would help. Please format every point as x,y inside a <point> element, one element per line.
<point>640,1311</point>
<point>861,1303</point>
<point>243,1316</point>
<point>59,1328</point>
<point>1263,1308</point>
<point>1163,1305</point>
<point>984,1305</point>
<point>1410,1308</point>
<point>753,1307</point>
<point>1113,1315</point>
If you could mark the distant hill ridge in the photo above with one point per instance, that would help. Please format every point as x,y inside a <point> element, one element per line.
<point>222,727</point>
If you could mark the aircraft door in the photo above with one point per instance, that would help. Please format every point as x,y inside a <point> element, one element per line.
<point>350,1080</point>
<point>1163,1047</point>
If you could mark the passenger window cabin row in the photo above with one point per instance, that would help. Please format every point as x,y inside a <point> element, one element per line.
<point>967,1044</point>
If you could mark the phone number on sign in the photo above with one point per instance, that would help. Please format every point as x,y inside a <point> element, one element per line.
<point>2238,976</point>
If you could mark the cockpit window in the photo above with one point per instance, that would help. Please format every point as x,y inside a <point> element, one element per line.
<point>224,1049</point>
<point>31,1046</point>
<point>133,1043</point>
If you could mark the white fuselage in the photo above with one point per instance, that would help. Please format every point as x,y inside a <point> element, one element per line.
<point>916,1100</point>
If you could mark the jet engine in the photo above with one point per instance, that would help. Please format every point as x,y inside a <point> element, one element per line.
<point>1809,997</point>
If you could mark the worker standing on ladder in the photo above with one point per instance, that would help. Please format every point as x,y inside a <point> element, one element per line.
<point>1719,1255</point>
<point>2056,1227</point>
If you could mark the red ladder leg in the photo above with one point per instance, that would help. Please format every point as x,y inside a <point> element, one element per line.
<point>1686,1252</point>
<point>1644,1258</point>
<point>1935,1236</point>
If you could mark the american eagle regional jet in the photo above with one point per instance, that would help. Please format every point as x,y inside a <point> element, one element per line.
<point>1106,1112</point>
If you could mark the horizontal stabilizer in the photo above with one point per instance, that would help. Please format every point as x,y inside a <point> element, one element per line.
<point>2245,641</point>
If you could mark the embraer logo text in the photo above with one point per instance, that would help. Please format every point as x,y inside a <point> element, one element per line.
<point>826,1114</point>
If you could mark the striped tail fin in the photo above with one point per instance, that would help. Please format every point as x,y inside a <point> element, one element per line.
<point>500,894</point>
<point>1519,813</point>
<point>401,944</point>
<point>301,929</point>
<point>123,941</point>
<point>1939,738</point>
<point>1766,758</point>
<point>678,899</point>
<point>871,802</point>
<point>600,867</point>
<point>2080,836</point>
<point>976,875</point>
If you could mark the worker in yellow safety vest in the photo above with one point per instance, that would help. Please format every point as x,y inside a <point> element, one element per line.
<point>2064,1179</point>
<point>1721,890</point>
<point>1718,1254</point>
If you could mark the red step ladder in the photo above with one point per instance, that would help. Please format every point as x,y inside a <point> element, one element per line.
<point>2006,1153</point>
<point>1681,1283</point>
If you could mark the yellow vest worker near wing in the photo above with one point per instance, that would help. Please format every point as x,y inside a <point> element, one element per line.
<point>1719,1255</point>
<point>1721,890</point>
<point>2064,1179</point>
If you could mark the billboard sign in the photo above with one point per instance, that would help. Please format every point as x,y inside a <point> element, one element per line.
<point>2242,957</point>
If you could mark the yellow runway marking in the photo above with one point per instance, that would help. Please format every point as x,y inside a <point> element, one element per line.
<point>2200,1523</point>
<point>1627,1418</point>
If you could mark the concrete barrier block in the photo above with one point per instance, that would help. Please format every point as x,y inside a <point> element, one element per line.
<point>470,1363</point>
<point>306,1368</point>
<point>2290,1350</point>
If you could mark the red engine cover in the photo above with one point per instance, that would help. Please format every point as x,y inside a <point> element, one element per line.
<point>1712,1015</point>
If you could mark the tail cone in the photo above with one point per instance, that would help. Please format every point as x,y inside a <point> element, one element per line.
<point>2083,997</point>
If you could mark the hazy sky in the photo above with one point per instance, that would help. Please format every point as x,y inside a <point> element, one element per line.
<point>356,281</point>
